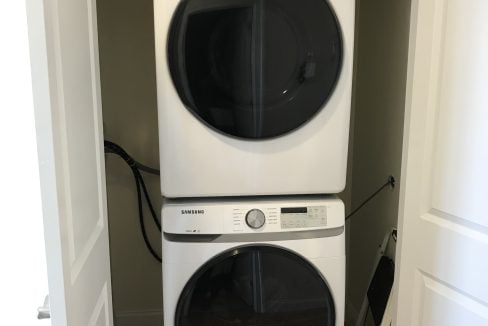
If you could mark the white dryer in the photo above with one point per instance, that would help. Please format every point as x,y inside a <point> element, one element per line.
<point>261,263</point>
<point>254,95</point>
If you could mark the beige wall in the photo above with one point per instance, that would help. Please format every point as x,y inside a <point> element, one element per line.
<point>126,41</point>
<point>378,110</point>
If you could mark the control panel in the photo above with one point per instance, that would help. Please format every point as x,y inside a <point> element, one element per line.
<point>278,219</point>
<point>252,216</point>
<point>303,217</point>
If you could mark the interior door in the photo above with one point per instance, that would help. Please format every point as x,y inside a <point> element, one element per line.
<point>64,55</point>
<point>444,225</point>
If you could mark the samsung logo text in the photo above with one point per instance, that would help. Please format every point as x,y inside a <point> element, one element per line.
<point>192,211</point>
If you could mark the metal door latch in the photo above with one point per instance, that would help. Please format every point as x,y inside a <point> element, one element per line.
<point>44,312</point>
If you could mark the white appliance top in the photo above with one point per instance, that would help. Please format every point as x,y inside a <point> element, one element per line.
<point>230,216</point>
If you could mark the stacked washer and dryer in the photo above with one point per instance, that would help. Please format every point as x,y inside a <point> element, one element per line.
<point>254,102</point>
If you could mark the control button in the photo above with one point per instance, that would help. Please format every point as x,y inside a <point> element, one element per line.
<point>255,218</point>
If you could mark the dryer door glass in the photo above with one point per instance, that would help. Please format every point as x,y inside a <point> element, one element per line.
<point>254,69</point>
<point>261,286</point>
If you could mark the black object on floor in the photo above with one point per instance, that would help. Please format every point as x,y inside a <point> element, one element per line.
<point>380,288</point>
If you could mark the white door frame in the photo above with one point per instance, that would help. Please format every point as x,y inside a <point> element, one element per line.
<point>66,87</point>
<point>42,104</point>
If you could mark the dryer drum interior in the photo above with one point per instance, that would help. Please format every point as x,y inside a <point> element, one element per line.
<point>255,69</point>
<point>256,285</point>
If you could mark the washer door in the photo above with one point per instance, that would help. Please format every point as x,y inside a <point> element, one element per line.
<point>259,286</point>
<point>254,68</point>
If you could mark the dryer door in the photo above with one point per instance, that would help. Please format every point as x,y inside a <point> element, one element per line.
<point>255,68</point>
<point>256,285</point>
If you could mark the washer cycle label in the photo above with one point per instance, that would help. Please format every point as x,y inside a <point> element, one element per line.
<point>303,217</point>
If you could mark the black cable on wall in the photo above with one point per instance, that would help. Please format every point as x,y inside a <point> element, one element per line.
<point>141,188</point>
<point>391,182</point>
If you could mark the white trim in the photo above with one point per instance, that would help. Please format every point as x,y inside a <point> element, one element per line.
<point>412,49</point>
<point>44,125</point>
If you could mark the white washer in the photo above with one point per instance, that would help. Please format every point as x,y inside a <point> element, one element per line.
<point>254,96</point>
<point>254,262</point>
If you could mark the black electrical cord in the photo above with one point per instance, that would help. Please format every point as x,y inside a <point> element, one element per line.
<point>391,182</point>
<point>141,221</point>
<point>147,169</point>
<point>148,199</point>
<point>135,167</point>
<point>113,148</point>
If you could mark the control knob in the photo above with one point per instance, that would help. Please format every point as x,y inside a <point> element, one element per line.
<point>255,218</point>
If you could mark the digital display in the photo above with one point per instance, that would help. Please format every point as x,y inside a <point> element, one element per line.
<point>294,210</point>
<point>303,217</point>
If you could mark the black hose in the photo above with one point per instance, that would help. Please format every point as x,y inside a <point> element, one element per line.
<point>113,148</point>
<point>135,167</point>
<point>141,220</point>
<point>148,199</point>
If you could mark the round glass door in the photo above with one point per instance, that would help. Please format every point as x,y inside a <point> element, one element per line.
<point>258,286</point>
<point>254,69</point>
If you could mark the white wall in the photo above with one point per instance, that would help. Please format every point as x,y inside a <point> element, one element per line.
<point>126,41</point>
<point>378,110</point>
<point>23,275</point>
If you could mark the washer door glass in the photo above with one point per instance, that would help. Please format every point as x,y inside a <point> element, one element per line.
<point>259,286</point>
<point>254,68</point>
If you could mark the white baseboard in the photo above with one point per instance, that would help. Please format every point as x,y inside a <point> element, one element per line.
<point>139,318</point>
